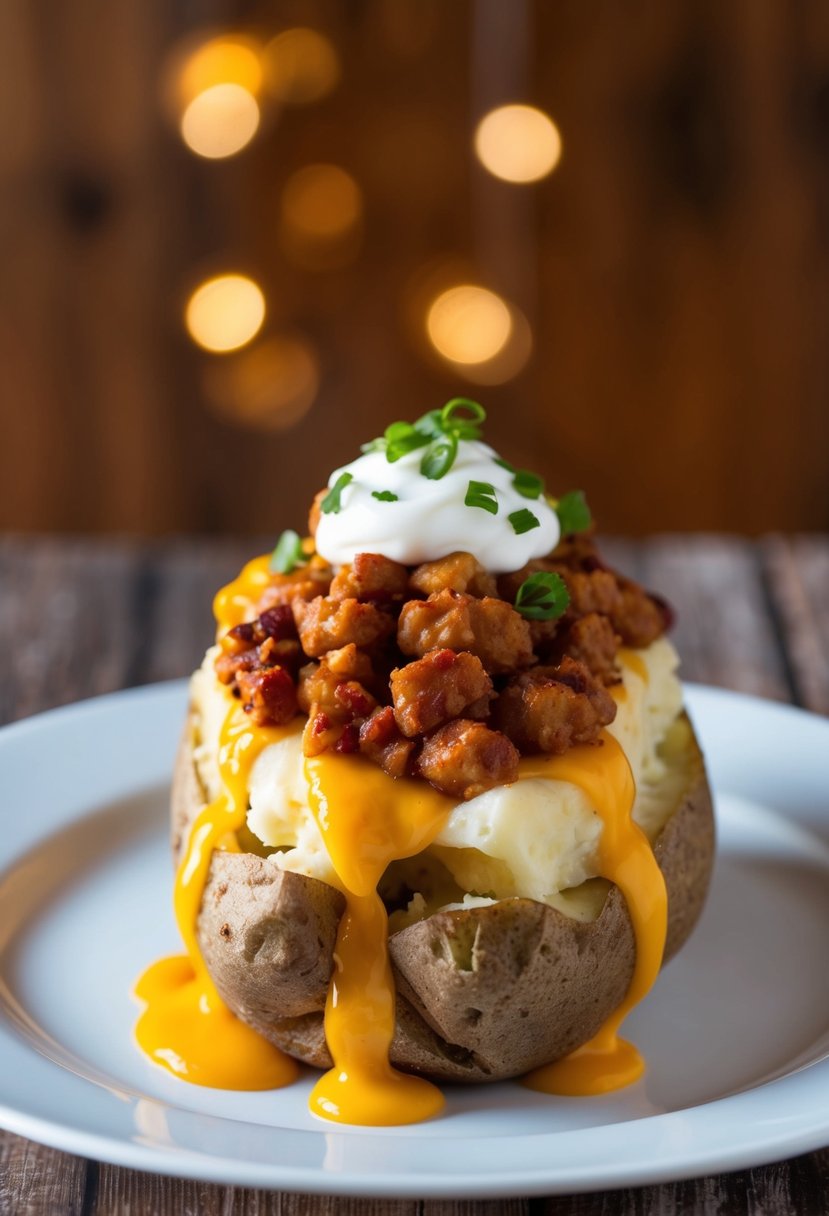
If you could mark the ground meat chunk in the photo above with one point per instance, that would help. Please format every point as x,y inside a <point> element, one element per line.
<point>488,628</point>
<point>322,688</point>
<point>268,695</point>
<point>371,577</point>
<point>578,551</point>
<point>349,663</point>
<point>321,733</point>
<point>593,591</point>
<point>276,623</point>
<point>284,593</point>
<point>436,688</point>
<point>286,653</point>
<point>638,618</point>
<point>457,572</point>
<point>328,624</point>
<point>593,641</point>
<point>552,709</point>
<point>465,758</point>
<point>316,687</point>
<point>230,664</point>
<point>382,742</point>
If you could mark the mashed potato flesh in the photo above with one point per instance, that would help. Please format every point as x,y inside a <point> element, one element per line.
<point>536,838</point>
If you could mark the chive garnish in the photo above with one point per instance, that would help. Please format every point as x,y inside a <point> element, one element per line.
<point>463,417</point>
<point>439,458</point>
<point>528,485</point>
<point>573,512</point>
<point>542,597</point>
<point>482,494</point>
<point>331,504</point>
<point>384,496</point>
<point>288,553</point>
<point>523,521</point>
<point>402,437</point>
<point>439,431</point>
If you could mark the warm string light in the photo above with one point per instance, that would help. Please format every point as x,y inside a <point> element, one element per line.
<point>321,211</point>
<point>217,96</point>
<point>220,121</point>
<point>300,66</point>
<point>518,143</point>
<point>321,202</point>
<point>272,384</point>
<point>215,90</point>
<point>480,334</point>
<point>223,60</point>
<point>468,324</point>
<point>225,312</point>
<point>269,386</point>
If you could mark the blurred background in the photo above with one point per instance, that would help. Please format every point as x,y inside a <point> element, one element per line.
<point>237,239</point>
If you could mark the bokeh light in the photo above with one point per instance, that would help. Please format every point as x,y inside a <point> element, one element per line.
<point>225,312</point>
<point>510,359</point>
<point>518,143</point>
<point>321,202</point>
<point>468,324</point>
<point>221,60</point>
<point>270,386</point>
<point>301,66</point>
<point>220,121</point>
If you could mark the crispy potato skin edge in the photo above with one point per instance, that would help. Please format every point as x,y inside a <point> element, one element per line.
<point>483,993</point>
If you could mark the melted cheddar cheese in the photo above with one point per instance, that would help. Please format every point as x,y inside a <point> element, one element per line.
<point>186,1026</point>
<point>368,820</point>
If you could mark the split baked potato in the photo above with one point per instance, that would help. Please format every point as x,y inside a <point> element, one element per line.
<point>484,992</point>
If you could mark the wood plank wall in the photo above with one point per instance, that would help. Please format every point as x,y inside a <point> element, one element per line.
<point>674,269</point>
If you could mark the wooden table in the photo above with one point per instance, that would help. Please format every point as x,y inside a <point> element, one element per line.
<point>78,618</point>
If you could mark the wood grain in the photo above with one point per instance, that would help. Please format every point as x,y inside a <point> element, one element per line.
<point>797,574</point>
<point>79,618</point>
<point>38,1181</point>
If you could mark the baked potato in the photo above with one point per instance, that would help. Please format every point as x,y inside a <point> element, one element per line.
<point>483,993</point>
<point>444,698</point>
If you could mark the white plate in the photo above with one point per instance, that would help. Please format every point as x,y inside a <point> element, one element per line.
<point>736,1031</point>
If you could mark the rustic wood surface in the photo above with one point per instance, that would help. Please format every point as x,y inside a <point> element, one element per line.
<point>79,618</point>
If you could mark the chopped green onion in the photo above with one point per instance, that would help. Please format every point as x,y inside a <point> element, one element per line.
<point>288,553</point>
<point>505,464</point>
<point>523,521</point>
<point>542,597</point>
<point>402,447</point>
<point>482,494</point>
<point>528,485</point>
<point>331,504</point>
<point>402,437</point>
<point>573,512</point>
<point>430,424</point>
<point>463,418</point>
<point>459,419</point>
<point>384,496</point>
<point>439,458</point>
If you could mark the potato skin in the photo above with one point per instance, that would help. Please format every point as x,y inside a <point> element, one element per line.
<point>483,994</point>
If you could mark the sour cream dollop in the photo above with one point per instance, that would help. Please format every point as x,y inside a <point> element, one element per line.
<point>430,519</point>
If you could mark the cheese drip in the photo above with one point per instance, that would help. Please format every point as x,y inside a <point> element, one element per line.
<point>232,604</point>
<point>368,820</point>
<point>186,1026</point>
<point>626,858</point>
